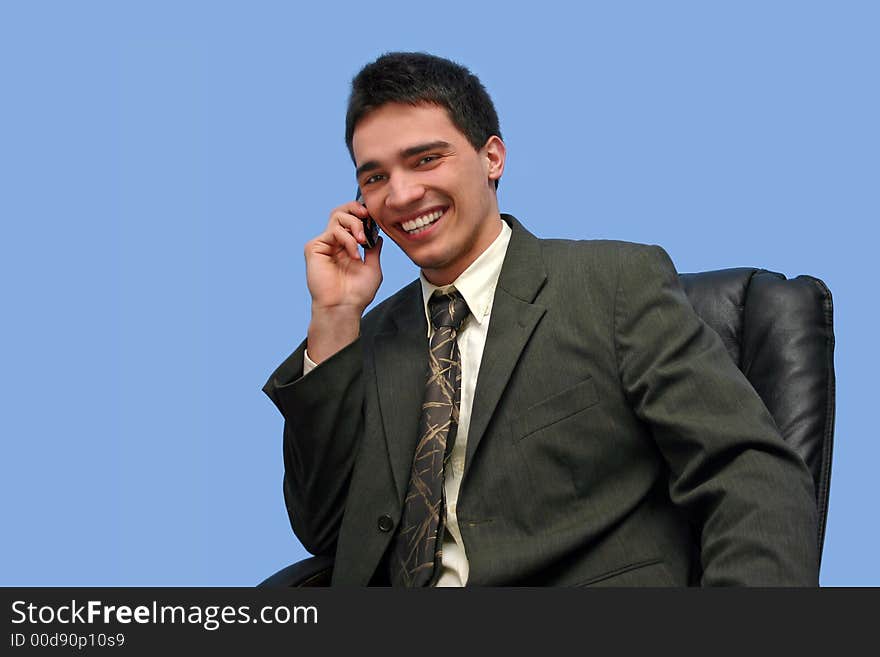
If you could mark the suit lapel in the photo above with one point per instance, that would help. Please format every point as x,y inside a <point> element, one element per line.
<point>401,369</point>
<point>514,318</point>
<point>401,353</point>
<point>400,362</point>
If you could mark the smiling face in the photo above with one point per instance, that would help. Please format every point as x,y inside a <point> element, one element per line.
<point>426,186</point>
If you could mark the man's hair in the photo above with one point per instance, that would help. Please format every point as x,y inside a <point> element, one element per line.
<point>416,78</point>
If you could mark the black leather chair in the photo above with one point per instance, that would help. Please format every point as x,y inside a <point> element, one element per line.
<point>780,334</point>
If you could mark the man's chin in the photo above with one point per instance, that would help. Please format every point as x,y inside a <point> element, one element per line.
<point>424,260</point>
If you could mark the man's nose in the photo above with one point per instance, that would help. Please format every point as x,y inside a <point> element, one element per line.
<point>403,191</point>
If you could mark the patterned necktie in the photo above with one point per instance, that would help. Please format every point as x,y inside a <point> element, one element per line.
<point>416,553</point>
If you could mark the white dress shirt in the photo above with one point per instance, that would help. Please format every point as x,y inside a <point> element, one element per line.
<point>477,286</point>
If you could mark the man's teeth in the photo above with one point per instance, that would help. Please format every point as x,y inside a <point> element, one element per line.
<point>418,224</point>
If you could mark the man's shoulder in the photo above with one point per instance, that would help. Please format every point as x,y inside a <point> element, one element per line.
<point>598,246</point>
<point>607,254</point>
<point>601,266</point>
<point>579,248</point>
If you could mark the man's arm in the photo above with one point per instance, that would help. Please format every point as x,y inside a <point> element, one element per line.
<point>323,424</point>
<point>749,495</point>
<point>323,412</point>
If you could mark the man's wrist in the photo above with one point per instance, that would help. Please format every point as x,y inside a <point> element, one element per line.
<point>331,329</point>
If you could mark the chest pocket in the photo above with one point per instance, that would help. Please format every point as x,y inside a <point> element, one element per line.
<point>556,408</point>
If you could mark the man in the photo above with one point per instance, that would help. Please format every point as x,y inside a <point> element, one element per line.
<point>595,430</point>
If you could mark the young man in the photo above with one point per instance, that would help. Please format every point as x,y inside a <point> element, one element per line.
<point>579,425</point>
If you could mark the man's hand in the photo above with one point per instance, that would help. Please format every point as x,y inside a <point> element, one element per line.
<point>341,284</point>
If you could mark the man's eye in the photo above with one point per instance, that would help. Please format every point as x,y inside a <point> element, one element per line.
<point>428,158</point>
<point>373,179</point>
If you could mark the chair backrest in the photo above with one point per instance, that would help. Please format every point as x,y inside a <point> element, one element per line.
<point>780,333</point>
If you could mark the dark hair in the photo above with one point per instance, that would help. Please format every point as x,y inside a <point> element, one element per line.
<point>416,78</point>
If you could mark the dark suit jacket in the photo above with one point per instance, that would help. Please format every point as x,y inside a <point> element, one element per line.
<point>612,439</point>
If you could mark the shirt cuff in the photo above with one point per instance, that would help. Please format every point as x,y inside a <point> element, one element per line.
<point>308,363</point>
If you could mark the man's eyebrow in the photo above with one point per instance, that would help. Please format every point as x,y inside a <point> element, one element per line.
<point>407,152</point>
<point>421,148</point>
<point>366,166</point>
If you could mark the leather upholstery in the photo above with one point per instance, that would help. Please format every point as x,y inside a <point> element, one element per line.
<point>780,334</point>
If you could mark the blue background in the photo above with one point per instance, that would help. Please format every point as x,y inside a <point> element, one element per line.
<point>163,164</point>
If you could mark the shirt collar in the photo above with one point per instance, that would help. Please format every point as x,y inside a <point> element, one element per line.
<point>477,282</point>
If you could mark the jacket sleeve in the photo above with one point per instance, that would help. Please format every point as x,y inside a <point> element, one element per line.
<point>749,496</point>
<point>323,425</point>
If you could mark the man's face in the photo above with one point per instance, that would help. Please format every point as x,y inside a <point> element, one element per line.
<point>426,186</point>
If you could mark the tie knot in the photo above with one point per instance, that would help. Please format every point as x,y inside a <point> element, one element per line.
<point>447,309</point>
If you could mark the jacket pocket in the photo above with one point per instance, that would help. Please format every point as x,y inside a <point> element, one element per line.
<point>650,572</point>
<point>560,406</point>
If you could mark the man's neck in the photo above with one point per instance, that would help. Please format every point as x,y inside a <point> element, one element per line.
<point>445,276</point>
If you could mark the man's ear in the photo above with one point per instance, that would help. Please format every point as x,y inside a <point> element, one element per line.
<point>494,153</point>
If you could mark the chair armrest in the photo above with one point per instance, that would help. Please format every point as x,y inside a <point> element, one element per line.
<point>314,571</point>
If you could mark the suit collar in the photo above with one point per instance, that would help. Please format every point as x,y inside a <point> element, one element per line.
<point>523,274</point>
<point>400,366</point>
<point>477,283</point>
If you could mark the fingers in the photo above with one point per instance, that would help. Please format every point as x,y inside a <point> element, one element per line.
<point>351,216</point>
<point>342,238</point>
<point>352,207</point>
<point>371,256</point>
<point>347,219</point>
<point>344,232</point>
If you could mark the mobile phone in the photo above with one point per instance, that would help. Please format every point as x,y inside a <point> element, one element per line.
<point>371,228</point>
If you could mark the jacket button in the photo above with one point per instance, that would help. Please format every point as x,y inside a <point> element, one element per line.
<point>385,523</point>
